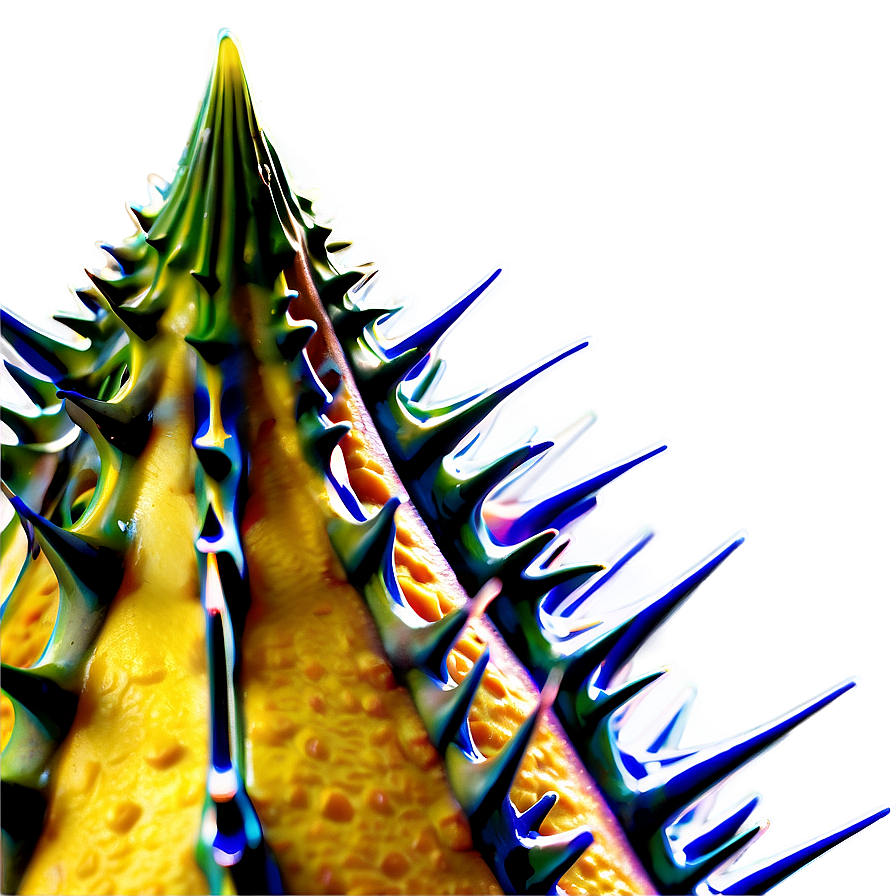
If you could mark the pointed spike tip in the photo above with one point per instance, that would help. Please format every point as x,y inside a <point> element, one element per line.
<point>770,872</point>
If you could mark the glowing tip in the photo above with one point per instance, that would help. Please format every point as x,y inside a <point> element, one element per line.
<point>214,592</point>
<point>229,60</point>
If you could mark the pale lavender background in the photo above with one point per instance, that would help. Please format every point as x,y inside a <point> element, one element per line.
<point>708,191</point>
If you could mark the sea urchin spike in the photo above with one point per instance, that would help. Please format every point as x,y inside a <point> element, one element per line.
<point>237,660</point>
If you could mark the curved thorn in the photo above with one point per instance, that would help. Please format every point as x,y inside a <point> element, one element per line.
<point>668,729</point>
<point>512,492</point>
<point>613,566</point>
<point>683,877</point>
<point>481,787</point>
<point>721,828</point>
<point>327,439</point>
<point>124,428</point>
<point>97,567</point>
<point>39,350</point>
<point>551,857</point>
<point>682,779</point>
<point>437,433</point>
<point>361,546</point>
<point>563,508</point>
<point>770,872</point>
<point>617,644</point>
<point>444,710</point>
<point>592,712</point>
<point>294,340</point>
<point>430,333</point>
<point>40,392</point>
<point>531,820</point>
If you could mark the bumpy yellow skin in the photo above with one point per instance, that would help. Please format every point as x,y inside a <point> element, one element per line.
<point>128,782</point>
<point>352,796</point>
<point>504,700</point>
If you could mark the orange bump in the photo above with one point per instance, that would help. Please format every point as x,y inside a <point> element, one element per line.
<point>164,752</point>
<point>451,825</point>
<point>298,797</point>
<point>335,805</point>
<point>350,702</point>
<point>381,735</point>
<point>316,748</point>
<point>378,800</point>
<point>373,706</point>
<point>416,568</point>
<point>376,671</point>
<point>85,778</point>
<point>494,684</point>
<point>486,735</point>
<point>7,719</point>
<point>394,864</point>
<point>425,841</point>
<point>122,817</point>
<point>88,865</point>
<point>313,670</point>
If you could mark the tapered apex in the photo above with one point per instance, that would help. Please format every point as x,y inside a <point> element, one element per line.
<point>229,63</point>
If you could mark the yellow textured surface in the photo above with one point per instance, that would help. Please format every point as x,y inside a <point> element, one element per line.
<point>126,793</point>
<point>351,794</point>
<point>503,701</point>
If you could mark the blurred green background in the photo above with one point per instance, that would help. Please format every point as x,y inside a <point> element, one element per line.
<point>708,187</point>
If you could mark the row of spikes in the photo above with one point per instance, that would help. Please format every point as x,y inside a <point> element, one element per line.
<point>395,379</point>
<point>88,575</point>
<point>228,217</point>
<point>231,849</point>
<point>695,835</point>
<point>66,449</point>
<point>429,447</point>
<point>68,380</point>
<point>42,696</point>
<point>108,313</point>
<point>658,790</point>
<point>420,652</point>
<point>522,860</point>
<point>94,357</point>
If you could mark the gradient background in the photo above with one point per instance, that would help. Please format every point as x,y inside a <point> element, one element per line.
<point>707,191</point>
